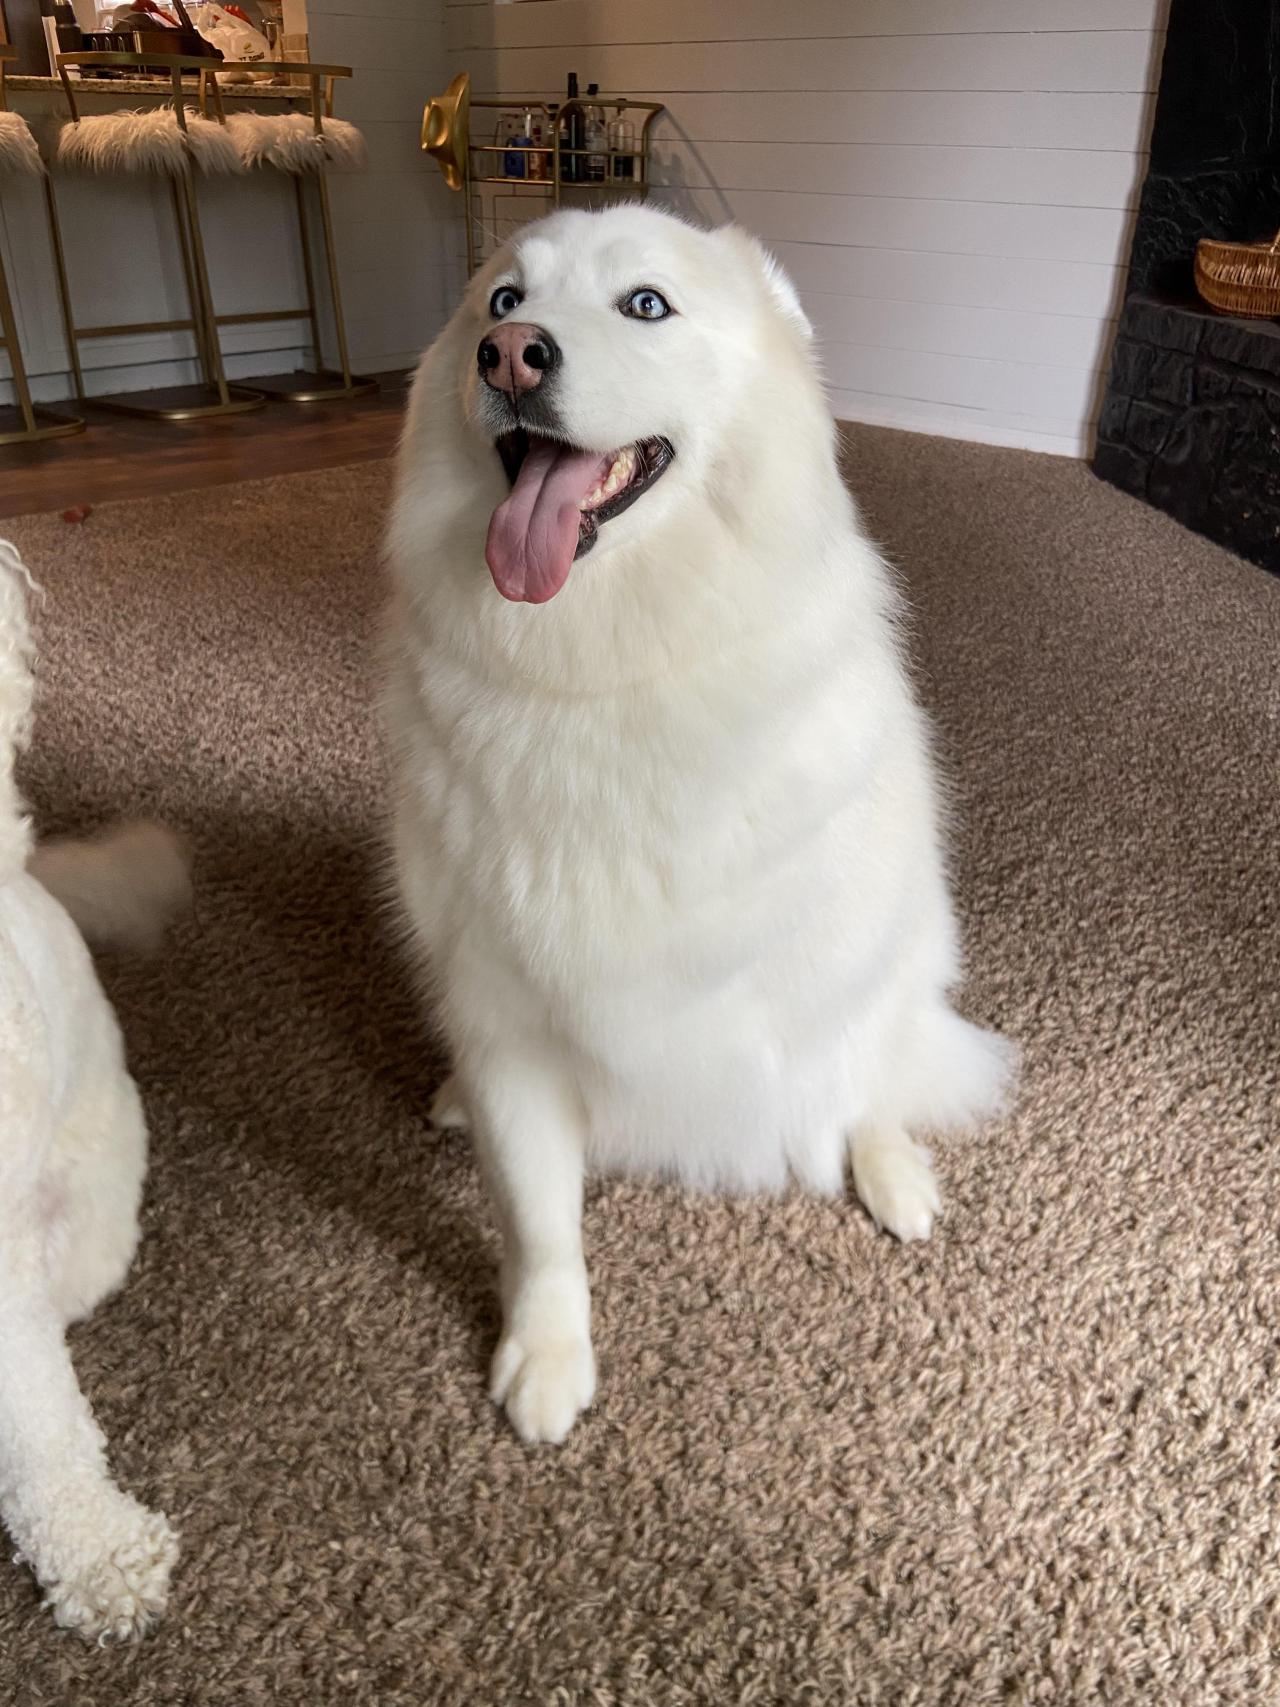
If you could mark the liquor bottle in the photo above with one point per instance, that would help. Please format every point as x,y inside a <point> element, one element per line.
<point>572,135</point>
<point>539,163</point>
<point>622,147</point>
<point>512,160</point>
<point>524,142</point>
<point>596,138</point>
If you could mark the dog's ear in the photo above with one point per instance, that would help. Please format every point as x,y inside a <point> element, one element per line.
<point>750,251</point>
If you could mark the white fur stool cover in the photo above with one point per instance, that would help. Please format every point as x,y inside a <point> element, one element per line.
<point>291,143</point>
<point>18,150</point>
<point>147,141</point>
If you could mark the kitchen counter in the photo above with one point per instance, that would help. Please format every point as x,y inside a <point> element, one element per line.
<point>156,86</point>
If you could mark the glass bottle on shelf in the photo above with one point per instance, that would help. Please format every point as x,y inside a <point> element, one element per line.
<point>539,166</point>
<point>622,146</point>
<point>524,142</point>
<point>512,164</point>
<point>595,138</point>
<point>571,137</point>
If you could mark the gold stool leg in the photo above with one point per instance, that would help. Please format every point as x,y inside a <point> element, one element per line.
<point>190,402</point>
<point>304,243</point>
<point>323,385</point>
<point>36,423</point>
<point>331,262</point>
<point>198,326</point>
<point>64,288</point>
<point>207,331</point>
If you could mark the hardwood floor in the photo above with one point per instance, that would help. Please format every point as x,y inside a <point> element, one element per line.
<point>122,457</point>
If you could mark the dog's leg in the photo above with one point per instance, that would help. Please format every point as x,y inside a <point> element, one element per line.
<point>102,1559</point>
<point>894,1178</point>
<point>530,1138</point>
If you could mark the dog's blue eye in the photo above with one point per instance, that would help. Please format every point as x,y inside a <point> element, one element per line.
<point>646,305</point>
<point>503,300</point>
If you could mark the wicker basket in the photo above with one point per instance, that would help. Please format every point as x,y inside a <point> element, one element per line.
<point>1239,278</point>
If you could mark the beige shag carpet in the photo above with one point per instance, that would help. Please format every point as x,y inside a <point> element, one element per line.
<point>1032,1462</point>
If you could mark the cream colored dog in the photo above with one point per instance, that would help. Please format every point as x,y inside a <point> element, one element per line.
<point>72,1159</point>
<point>667,829</point>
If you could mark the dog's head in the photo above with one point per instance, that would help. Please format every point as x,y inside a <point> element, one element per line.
<point>607,361</point>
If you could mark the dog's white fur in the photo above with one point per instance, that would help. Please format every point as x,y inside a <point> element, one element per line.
<point>669,844</point>
<point>72,1159</point>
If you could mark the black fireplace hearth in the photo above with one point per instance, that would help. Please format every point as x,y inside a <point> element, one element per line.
<point>1191,417</point>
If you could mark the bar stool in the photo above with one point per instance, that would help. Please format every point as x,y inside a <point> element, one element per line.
<point>303,145</point>
<point>174,142</point>
<point>20,158</point>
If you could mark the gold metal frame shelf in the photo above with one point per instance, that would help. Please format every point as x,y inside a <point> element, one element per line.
<point>447,135</point>
<point>30,421</point>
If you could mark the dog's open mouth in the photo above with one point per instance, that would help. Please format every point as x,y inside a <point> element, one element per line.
<point>560,497</point>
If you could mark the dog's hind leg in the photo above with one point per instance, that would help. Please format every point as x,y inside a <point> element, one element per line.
<point>939,1073</point>
<point>531,1142</point>
<point>102,1559</point>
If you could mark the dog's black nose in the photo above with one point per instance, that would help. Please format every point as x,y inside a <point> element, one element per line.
<point>514,358</point>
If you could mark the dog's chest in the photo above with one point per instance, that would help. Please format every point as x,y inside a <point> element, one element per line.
<point>552,816</point>
<point>629,835</point>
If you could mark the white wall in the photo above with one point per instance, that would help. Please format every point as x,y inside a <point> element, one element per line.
<point>950,182</point>
<point>390,219</point>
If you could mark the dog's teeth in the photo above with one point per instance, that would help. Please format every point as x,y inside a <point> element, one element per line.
<point>620,471</point>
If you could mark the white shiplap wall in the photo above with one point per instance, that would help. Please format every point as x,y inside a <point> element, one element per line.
<point>390,220</point>
<point>950,182</point>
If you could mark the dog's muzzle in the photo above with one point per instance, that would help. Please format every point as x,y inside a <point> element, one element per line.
<point>514,359</point>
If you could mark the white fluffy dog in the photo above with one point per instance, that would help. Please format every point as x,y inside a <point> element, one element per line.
<point>666,828</point>
<point>72,1158</point>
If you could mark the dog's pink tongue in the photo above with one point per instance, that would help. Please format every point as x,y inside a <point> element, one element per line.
<point>533,534</point>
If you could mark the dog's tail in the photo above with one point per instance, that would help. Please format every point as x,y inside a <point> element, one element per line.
<point>122,887</point>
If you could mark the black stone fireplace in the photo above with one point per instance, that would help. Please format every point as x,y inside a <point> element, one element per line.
<point>1191,415</point>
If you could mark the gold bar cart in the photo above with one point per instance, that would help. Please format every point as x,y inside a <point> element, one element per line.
<point>473,166</point>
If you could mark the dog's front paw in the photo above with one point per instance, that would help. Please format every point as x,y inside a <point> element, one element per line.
<point>896,1183</point>
<point>112,1579</point>
<point>543,1385</point>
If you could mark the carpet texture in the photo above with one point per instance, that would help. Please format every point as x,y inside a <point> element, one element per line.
<point>1031,1462</point>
